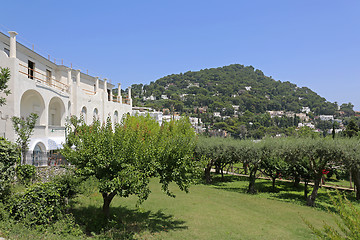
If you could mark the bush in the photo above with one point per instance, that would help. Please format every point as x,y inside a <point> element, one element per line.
<point>348,227</point>
<point>26,174</point>
<point>40,204</point>
<point>45,203</point>
<point>9,155</point>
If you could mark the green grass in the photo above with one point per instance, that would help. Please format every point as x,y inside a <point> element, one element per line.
<point>213,211</point>
<point>217,211</point>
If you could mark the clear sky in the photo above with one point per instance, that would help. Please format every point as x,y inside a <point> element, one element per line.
<point>312,43</point>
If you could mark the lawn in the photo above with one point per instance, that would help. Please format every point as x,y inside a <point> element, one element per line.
<point>218,211</point>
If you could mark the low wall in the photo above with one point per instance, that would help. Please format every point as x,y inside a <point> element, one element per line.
<point>45,173</point>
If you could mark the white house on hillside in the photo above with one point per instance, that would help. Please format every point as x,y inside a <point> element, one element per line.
<point>54,92</point>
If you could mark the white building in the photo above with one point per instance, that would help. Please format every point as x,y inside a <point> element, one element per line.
<point>143,111</point>
<point>195,121</point>
<point>310,125</point>
<point>217,114</point>
<point>305,109</point>
<point>326,117</point>
<point>54,92</point>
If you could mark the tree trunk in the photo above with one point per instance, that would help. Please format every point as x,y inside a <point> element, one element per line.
<point>217,168</point>
<point>356,177</point>
<point>23,151</point>
<point>311,199</point>
<point>306,189</point>
<point>273,183</point>
<point>207,172</point>
<point>252,178</point>
<point>222,174</point>
<point>108,197</point>
<point>245,168</point>
<point>297,181</point>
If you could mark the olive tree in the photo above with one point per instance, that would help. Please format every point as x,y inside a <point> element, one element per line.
<point>274,166</point>
<point>321,154</point>
<point>292,151</point>
<point>219,152</point>
<point>351,160</point>
<point>252,154</point>
<point>124,157</point>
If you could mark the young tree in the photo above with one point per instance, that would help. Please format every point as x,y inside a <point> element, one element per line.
<point>4,78</point>
<point>24,128</point>
<point>125,157</point>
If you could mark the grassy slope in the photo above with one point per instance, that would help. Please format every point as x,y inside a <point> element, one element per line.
<point>218,211</point>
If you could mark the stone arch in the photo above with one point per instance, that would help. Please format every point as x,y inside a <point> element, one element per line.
<point>33,102</point>
<point>39,157</point>
<point>84,113</point>
<point>96,114</point>
<point>56,113</point>
<point>116,116</point>
<point>39,146</point>
<point>69,108</point>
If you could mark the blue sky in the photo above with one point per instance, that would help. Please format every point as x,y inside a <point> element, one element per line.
<point>312,43</point>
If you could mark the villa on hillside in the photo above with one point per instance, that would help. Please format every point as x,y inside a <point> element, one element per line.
<point>54,92</point>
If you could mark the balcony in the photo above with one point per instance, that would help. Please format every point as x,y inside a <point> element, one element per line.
<point>43,79</point>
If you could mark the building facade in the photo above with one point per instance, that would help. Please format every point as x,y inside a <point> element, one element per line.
<point>54,92</point>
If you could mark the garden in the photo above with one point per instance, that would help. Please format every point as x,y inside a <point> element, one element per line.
<point>114,188</point>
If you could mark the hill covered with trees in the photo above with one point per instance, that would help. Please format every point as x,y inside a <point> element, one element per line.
<point>219,89</point>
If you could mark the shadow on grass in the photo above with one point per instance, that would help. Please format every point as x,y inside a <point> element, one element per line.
<point>216,179</point>
<point>284,191</point>
<point>124,223</point>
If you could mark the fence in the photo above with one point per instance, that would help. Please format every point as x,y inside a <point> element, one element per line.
<point>40,159</point>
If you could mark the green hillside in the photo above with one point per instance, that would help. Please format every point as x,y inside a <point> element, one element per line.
<point>220,88</point>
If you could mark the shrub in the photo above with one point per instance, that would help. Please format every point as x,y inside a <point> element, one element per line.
<point>26,174</point>
<point>348,224</point>
<point>40,204</point>
<point>45,203</point>
<point>9,155</point>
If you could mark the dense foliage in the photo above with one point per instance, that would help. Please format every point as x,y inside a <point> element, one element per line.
<point>348,227</point>
<point>45,203</point>
<point>303,159</point>
<point>220,88</point>
<point>26,174</point>
<point>9,155</point>
<point>123,158</point>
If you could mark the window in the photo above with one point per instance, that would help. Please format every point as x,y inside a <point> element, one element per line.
<point>48,76</point>
<point>109,96</point>
<point>31,68</point>
<point>7,51</point>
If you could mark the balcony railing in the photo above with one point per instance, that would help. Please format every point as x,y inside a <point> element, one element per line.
<point>40,159</point>
<point>47,80</point>
<point>126,101</point>
<point>89,92</point>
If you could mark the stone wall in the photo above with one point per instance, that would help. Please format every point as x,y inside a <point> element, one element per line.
<point>44,174</point>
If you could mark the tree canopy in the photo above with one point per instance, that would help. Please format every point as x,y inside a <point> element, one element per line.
<point>125,156</point>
